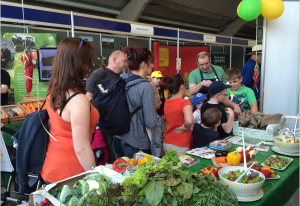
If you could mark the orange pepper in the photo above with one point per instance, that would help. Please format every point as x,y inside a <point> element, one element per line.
<point>265,168</point>
<point>132,162</point>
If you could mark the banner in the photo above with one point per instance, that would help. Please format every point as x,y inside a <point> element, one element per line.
<point>13,65</point>
<point>165,59</point>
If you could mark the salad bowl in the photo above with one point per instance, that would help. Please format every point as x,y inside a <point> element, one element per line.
<point>286,144</point>
<point>241,189</point>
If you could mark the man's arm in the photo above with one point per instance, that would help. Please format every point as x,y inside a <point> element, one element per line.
<point>194,89</point>
<point>4,88</point>
<point>236,107</point>
<point>247,77</point>
<point>89,95</point>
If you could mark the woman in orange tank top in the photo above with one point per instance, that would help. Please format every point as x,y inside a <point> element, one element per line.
<point>72,117</point>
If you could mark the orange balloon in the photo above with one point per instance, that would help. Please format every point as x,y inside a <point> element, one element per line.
<point>272,9</point>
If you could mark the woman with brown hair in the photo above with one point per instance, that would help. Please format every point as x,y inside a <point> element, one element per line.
<point>179,117</point>
<point>140,94</point>
<point>72,116</point>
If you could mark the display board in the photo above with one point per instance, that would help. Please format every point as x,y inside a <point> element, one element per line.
<point>165,59</point>
<point>6,165</point>
<point>15,67</point>
<point>281,66</point>
<point>220,59</point>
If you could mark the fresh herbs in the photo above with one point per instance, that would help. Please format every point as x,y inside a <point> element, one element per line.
<point>112,197</point>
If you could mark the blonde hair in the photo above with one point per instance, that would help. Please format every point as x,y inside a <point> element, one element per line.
<point>233,73</point>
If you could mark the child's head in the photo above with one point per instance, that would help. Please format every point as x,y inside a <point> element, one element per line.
<point>218,90</point>
<point>175,84</point>
<point>157,101</point>
<point>234,77</point>
<point>156,77</point>
<point>211,118</point>
<point>198,100</point>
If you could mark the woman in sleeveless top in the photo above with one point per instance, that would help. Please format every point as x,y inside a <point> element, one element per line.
<point>72,117</point>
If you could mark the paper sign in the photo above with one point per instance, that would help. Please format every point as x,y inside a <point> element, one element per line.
<point>251,43</point>
<point>166,93</point>
<point>163,54</point>
<point>178,63</point>
<point>6,165</point>
<point>209,38</point>
<point>140,29</point>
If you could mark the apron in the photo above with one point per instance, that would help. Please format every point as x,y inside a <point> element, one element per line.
<point>204,89</point>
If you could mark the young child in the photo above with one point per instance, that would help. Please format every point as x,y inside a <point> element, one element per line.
<point>156,142</point>
<point>206,132</point>
<point>218,92</point>
<point>197,101</point>
<point>238,93</point>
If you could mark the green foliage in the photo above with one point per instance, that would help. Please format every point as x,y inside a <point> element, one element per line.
<point>112,197</point>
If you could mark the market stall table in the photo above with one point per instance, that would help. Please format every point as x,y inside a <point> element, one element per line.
<point>276,192</point>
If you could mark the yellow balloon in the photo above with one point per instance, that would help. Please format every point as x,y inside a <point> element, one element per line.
<point>238,9</point>
<point>272,9</point>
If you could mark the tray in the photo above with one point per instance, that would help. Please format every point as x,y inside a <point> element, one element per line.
<point>262,164</point>
<point>27,112</point>
<point>4,120</point>
<point>12,120</point>
<point>277,150</point>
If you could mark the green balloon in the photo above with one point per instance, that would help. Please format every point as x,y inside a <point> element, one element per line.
<point>250,9</point>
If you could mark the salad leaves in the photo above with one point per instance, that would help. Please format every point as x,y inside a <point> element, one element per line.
<point>247,179</point>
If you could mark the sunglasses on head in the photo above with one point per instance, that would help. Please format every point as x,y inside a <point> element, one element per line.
<point>81,43</point>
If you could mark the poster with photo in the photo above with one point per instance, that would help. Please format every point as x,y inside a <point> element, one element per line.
<point>108,43</point>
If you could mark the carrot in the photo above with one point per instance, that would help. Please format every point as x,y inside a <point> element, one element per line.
<point>221,159</point>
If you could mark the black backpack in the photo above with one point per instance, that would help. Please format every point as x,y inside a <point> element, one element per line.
<point>110,100</point>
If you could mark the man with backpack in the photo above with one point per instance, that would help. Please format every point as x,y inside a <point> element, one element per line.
<point>100,86</point>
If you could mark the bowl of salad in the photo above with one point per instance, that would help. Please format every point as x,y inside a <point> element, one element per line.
<point>251,183</point>
<point>286,143</point>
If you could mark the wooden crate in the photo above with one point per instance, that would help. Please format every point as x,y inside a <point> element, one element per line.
<point>20,105</point>
<point>32,98</point>
<point>12,120</point>
<point>4,120</point>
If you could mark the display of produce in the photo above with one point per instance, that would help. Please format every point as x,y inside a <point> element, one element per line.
<point>83,190</point>
<point>246,179</point>
<point>233,158</point>
<point>2,115</point>
<point>277,162</point>
<point>14,112</point>
<point>33,107</point>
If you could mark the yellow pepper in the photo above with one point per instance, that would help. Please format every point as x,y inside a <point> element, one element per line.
<point>234,158</point>
<point>144,159</point>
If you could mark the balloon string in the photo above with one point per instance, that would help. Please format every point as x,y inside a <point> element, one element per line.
<point>32,80</point>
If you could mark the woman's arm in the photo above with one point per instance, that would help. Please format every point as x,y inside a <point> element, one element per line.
<point>150,115</point>
<point>188,120</point>
<point>79,109</point>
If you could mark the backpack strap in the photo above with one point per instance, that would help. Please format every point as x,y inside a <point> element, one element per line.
<point>8,130</point>
<point>73,95</point>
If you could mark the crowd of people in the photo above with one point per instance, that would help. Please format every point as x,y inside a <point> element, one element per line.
<point>77,124</point>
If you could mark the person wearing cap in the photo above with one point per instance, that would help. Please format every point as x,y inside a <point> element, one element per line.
<point>156,78</point>
<point>248,70</point>
<point>218,92</point>
<point>201,78</point>
<point>197,101</point>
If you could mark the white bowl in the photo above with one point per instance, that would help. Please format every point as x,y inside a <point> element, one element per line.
<point>286,147</point>
<point>241,189</point>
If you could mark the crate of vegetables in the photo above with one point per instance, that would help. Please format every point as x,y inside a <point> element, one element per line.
<point>4,117</point>
<point>32,106</point>
<point>15,114</point>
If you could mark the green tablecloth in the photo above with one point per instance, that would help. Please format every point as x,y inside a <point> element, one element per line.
<point>276,192</point>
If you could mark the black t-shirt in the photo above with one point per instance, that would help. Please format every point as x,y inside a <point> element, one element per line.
<point>203,136</point>
<point>97,75</point>
<point>5,79</point>
<point>160,111</point>
<point>206,106</point>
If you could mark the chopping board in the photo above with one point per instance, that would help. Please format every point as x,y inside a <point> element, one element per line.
<point>214,162</point>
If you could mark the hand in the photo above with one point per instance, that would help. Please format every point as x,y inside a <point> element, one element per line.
<point>229,111</point>
<point>206,83</point>
<point>179,130</point>
<point>237,110</point>
<point>163,117</point>
<point>3,60</point>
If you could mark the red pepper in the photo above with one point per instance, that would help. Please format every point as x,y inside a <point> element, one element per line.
<point>120,165</point>
<point>247,156</point>
<point>246,182</point>
<point>216,172</point>
<point>233,179</point>
<point>266,173</point>
<point>28,71</point>
<point>256,168</point>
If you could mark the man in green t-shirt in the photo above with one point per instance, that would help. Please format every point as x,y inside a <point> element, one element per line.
<point>202,77</point>
<point>238,93</point>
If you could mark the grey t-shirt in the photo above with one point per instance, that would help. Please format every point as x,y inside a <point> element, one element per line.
<point>99,74</point>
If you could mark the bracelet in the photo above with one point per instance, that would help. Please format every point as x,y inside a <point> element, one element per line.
<point>184,127</point>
